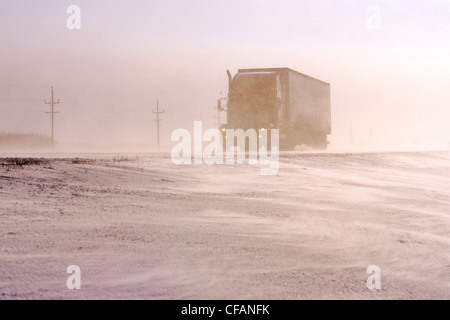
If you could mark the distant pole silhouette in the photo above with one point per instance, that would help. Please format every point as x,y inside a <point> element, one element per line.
<point>157,119</point>
<point>218,114</point>
<point>52,102</point>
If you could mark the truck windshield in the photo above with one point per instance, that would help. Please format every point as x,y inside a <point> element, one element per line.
<point>253,100</point>
<point>254,91</point>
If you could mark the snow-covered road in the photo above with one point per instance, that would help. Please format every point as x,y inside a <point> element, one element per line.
<point>142,227</point>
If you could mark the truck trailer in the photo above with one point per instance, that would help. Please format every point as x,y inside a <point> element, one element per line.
<point>280,98</point>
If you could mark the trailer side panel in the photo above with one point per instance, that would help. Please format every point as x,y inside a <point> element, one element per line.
<point>309,103</point>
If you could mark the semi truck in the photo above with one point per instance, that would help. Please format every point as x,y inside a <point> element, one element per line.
<point>280,98</point>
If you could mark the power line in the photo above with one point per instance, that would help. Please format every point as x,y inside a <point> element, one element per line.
<point>20,86</point>
<point>19,99</point>
<point>157,119</point>
<point>53,102</point>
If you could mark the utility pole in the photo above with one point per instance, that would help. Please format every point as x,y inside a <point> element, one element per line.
<point>53,102</point>
<point>157,119</point>
<point>218,114</point>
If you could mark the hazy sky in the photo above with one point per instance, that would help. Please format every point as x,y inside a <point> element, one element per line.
<point>390,86</point>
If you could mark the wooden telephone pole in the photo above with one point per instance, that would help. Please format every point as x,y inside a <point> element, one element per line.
<point>157,119</point>
<point>52,102</point>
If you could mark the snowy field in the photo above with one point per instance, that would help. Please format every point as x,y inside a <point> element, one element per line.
<point>140,227</point>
